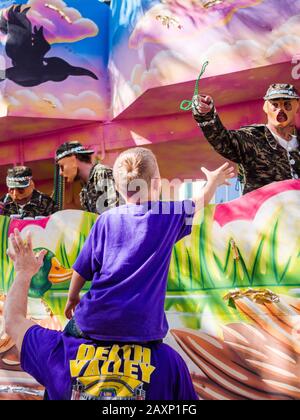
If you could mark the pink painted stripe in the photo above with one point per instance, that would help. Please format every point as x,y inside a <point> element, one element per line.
<point>22,224</point>
<point>246,207</point>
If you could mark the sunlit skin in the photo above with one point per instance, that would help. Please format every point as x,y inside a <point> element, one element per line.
<point>68,168</point>
<point>73,169</point>
<point>142,195</point>
<point>21,196</point>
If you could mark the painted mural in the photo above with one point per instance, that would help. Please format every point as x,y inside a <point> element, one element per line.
<point>167,41</point>
<point>233,299</point>
<point>65,59</point>
<point>54,58</point>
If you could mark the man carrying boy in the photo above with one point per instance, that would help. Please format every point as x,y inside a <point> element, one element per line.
<point>74,368</point>
<point>127,257</point>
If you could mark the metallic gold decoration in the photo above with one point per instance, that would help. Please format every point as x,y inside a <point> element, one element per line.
<point>56,9</point>
<point>47,308</point>
<point>203,3</point>
<point>168,21</point>
<point>235,251</point>
<point>49,102</point>
<point>258,296</point>
<point>210,3</point>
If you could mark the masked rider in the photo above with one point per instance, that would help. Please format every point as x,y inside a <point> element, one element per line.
<point>264,153</point>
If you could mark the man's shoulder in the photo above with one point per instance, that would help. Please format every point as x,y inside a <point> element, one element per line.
<point>5,197</point>
<point>38,195</point>
<point>44,202</point>
<point>172,355</point>
<point>36,336</point>
<point>100,169</point>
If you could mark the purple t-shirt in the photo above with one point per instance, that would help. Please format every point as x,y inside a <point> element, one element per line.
<point>73,368</point>
<point>127,257</point>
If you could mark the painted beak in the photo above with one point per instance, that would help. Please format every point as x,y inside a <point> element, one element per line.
<point>58,273</point>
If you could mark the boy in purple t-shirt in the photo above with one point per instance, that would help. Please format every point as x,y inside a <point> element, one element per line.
<point>128,252</point>
<point>82,369</point>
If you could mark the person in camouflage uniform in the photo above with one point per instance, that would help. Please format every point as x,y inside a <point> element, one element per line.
<point>98,192</point>
<point>264,153</point>
<point>22,199</point>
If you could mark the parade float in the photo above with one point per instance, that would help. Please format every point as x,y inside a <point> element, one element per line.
<point>115,78</point>
<point>233,298</point>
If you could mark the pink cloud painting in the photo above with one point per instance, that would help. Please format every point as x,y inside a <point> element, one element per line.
<point>233,35</point>
<point>61,23</point>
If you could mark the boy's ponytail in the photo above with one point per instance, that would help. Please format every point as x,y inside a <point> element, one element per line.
<point>133,168</point>
<point>133,165</point>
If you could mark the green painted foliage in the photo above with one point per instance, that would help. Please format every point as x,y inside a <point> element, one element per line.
<point>6,266</point>
<point>196,266</point>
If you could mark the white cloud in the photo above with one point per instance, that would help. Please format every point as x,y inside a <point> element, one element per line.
<point>185,51</point>
<point>284,48</point>
<point>61,226</point>
<point>86,105</point>
<point>248,233</point>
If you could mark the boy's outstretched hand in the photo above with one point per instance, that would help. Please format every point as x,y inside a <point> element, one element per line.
<point>220,176</point>
<point>21,252</point>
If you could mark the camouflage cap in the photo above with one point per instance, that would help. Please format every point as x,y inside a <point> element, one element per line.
<point>19,177</point>
<point>71,148</point>
<point>281,91</point>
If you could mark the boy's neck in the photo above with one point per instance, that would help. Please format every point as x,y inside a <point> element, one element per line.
<point>136,199</point>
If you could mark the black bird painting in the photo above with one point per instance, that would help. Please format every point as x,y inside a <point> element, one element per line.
<point>27,49</point>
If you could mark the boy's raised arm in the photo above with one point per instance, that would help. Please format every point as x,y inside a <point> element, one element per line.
<point>220,176</point>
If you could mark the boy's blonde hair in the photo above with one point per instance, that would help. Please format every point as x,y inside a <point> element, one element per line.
<point>137,164</point>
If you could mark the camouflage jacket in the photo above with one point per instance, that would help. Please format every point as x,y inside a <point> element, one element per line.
<point>99,194</point>
<point>261,159</point>
<point>39,205</point>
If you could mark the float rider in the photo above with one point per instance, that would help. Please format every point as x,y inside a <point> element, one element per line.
<point>22,199</point>
<point>98,192</point>
<point>266,152</point>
